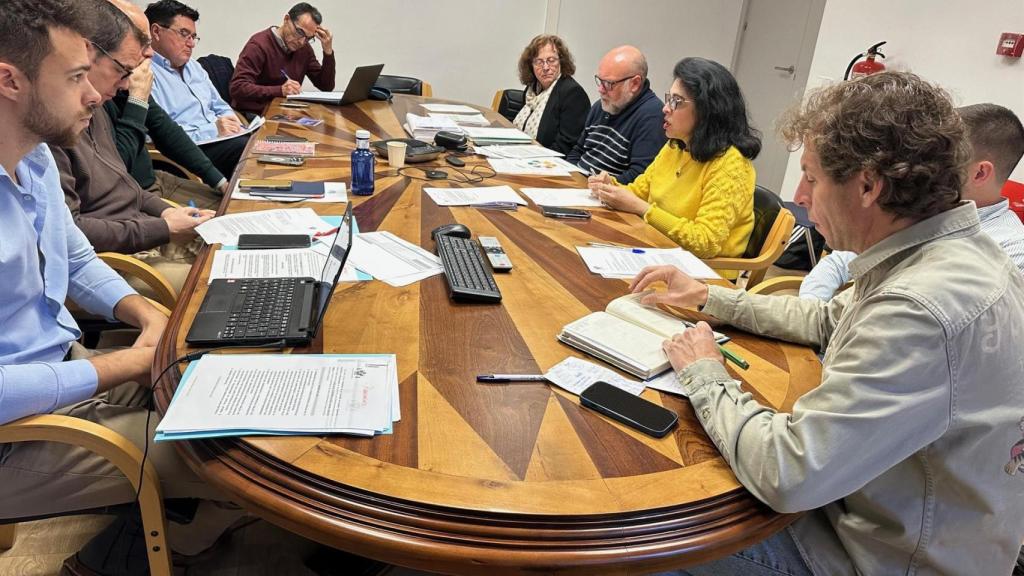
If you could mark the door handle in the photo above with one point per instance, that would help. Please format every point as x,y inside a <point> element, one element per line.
<point>789,69</point>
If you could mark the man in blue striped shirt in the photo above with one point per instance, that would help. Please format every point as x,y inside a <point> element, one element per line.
<point>624,128</point>
<point>997,137</point>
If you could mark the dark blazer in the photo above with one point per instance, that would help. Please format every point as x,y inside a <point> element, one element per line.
<point>564,116</point>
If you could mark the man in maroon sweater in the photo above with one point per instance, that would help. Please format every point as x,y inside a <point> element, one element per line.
<point>274,61</point>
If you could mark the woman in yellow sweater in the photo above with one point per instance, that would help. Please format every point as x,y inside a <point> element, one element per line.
<point>699,190</point>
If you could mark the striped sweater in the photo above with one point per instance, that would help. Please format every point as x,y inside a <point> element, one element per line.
<point>622,144</point>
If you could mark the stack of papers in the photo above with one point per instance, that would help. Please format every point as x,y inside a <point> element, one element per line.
<point>561,197</point>
<point>425,127</point>
<point>451,108</point>
<point>550,166</point>
<point>225,229</point>
<point>253,126</point>
<point>280,394</point>
<point>518,151</point>
<point>326,97</point>
<point>627,262</point>
<point>333,192</point>
<point>463,119</point>
<point>288,263</point>
<point>391,259</point>
<point>487,196</point>
<point>484,136</point>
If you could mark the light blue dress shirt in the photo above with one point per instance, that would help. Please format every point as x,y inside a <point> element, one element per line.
<point>45,258</point>
<point>189,98</point>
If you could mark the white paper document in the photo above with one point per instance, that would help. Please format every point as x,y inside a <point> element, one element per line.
<point>516,151</point>
<point>334,192</point>
<point>561,197</point>
<point>497,135</point>
<point>626,262</point>
<point>391,259</point>
<point>475,196</point>
<point>575,375</point>
<point>252,127</point>
<point>284,394</point>
<point>667,382</point>
<point>289,263</point>
<point>451,108</point>
<point>332,97</point>
<point>225,229</point>
<point>551,166</point>
<point>463,119</point>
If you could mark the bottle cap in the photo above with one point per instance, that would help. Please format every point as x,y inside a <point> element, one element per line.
<point>362,134</point>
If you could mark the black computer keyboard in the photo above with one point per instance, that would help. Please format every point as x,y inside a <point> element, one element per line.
<point>261,308</point>
<point>468,274</point>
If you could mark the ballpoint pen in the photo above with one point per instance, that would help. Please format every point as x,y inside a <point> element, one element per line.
<point>192,204</point>
<point>617,246</point>
<point>502,378</point>
<point>285,74</point>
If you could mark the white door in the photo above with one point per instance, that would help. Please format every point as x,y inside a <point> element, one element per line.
<point>774,57</point>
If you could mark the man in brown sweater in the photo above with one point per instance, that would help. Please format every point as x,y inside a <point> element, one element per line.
<point>107,203</point>
<point>274,62</point>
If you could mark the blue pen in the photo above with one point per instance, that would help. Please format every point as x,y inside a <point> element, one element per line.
<point>617,247</point>
<point>285,74</point>
<point>192,204</point>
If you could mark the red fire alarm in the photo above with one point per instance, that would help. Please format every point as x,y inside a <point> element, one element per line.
<point>1011,44</point>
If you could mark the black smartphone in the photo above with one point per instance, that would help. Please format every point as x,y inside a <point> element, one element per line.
<point>272,241</point>
<point>634,411</point>
<point>560,212</point>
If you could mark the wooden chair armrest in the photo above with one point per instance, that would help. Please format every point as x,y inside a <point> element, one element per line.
<point>158,156</point>
<point>777,284</point>
<point>134,267</point>
<point>115,448</point>
<point>428,90</point>
<point>497,100</point>
<point>761,262</point>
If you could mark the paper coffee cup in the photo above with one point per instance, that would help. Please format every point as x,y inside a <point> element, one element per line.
<point>396,154</point>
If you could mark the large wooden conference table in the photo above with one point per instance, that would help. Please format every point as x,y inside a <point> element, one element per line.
<point>485,479</point>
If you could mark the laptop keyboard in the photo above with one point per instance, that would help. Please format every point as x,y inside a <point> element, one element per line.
<point>469,277</point>
<point>262,308</point>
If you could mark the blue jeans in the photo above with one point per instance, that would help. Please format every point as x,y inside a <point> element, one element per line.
<point>775,556</point>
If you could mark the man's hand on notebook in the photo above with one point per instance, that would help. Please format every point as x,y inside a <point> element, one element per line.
<point>682,292</point>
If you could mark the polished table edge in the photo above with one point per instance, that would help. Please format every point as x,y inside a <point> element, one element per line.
<point>454,540</point>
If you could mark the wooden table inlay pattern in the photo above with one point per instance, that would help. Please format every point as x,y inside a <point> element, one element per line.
<point>479,478</point>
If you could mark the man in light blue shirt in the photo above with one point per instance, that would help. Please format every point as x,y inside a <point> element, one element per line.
<point>997,139</point>
<point>183,88</point>
<point>46,97</point>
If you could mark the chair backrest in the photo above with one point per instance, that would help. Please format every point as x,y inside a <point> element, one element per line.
<point>766,208</point>
<point>401,84</point>
<point>220,69</point>
<point>509,102</point>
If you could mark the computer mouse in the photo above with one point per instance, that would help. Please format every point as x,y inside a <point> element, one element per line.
<point>436,174</point>
<point>454,229</point>
<point>454,161</point>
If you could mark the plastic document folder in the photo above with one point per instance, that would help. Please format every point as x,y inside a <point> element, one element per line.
<point>284,394</point>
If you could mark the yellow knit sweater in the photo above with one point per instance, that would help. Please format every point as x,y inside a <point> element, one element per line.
<point>705,207</point>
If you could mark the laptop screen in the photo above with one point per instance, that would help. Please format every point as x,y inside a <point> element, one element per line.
<point>333,266</point>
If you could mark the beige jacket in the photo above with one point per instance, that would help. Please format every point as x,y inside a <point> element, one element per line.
<point>906,451</point>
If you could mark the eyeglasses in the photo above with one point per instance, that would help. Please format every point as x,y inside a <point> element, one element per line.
<point>126,70</point>
<point>302,33</point>
<point>673,101</point>
<point>185,34</point>
<point>545,62</point>
<point>607,85</point>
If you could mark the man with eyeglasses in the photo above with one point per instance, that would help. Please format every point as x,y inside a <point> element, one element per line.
<point>183,88</point>
<point>274,61</point>
<point>108,204</point>
<point>623,131</point>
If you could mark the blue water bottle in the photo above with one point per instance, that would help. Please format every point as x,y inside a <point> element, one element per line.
<point>362,165</point>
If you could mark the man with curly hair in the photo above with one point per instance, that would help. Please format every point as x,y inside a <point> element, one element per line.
<point>898,457</point>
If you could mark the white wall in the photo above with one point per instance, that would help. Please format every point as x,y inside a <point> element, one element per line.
<point>950,43</point>
<point>467,50</point>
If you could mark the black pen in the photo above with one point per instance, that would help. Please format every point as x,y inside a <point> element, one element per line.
<point>500,378</point>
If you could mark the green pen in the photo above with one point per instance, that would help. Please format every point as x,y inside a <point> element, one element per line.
<point>733,357</point>
<point>728,354</point>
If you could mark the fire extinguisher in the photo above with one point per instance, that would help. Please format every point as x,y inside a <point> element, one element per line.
<point>869,66</point>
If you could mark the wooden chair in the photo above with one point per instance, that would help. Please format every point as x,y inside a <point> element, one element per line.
<point>508,102</point>
<point>772,227</point>
<point>161,162</point>
<point>132,266</point>
<point>779,284</point>
<point>111,446</point>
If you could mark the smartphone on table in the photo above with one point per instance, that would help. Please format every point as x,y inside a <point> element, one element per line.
<point>561,212</point>
<point>633,411</point>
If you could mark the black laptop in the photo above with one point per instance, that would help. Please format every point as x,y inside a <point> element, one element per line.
<point>254,311</point>
<point>358,88</point>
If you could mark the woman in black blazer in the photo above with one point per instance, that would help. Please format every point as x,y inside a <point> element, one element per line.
<point>556,105</point>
